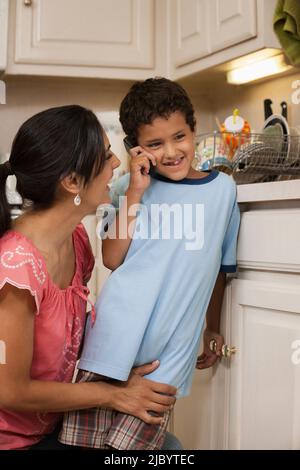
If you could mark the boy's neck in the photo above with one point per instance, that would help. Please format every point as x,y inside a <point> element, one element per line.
<point>194,174</point>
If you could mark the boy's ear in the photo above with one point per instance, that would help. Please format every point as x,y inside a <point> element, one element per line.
<point>72,183</point>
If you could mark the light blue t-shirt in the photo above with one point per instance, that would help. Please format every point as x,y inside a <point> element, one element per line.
<point>153,306</point>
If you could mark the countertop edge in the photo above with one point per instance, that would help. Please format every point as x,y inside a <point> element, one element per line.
<point>275,191</point>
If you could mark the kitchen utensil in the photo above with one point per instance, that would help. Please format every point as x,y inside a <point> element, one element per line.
<point>210,150</point>
<point>234,130</point>
<point>222,164</point>
<point>275,134</point>
<point>283,105</point>
<point>253,161</point>
<point>267,108</point>
<point>218,122</point>
<point>282,142</point>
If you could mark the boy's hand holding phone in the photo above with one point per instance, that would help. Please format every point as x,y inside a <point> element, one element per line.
<point>141,166</point>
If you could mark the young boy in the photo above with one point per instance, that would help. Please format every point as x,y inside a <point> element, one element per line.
<point>167,274</point>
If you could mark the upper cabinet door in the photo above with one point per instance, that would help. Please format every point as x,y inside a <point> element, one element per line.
<point>231,22</point>
<point>3,33</point>
<point>89,33</point>
<point>189,30</point>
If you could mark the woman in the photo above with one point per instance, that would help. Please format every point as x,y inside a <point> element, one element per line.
<point>62,161</point>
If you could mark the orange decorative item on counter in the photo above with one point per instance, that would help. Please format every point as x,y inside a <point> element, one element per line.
<point>235,130</point>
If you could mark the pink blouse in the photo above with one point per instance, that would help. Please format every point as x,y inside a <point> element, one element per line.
<point>59,326</point>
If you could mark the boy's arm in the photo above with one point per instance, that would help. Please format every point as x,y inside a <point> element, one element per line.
<point>208,358</point>
<point>114,250</point>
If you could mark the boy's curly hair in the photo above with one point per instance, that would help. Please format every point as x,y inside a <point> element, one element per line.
<point>155,97</point>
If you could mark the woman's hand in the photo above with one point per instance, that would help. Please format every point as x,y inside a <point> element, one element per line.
<point>208,358</point>
<point>146,368</point>
<point>139,169</point>
<point>141,397</point>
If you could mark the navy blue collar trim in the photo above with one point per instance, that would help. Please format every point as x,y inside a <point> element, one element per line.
<point>211,175</point>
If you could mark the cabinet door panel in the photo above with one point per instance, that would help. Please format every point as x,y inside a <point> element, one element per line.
<point>264,400</point>
<point>231,22</point>
<point>189,30</point>
<point>268,238</point>
<point>118,33</point>
<point>3,34</point>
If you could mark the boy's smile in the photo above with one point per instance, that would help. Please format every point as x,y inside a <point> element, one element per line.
<point>171,141</point>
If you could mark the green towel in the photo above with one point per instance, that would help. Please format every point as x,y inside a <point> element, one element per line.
<point>287,28</point>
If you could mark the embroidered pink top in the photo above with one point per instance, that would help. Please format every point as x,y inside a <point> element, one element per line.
<point>59,326</point>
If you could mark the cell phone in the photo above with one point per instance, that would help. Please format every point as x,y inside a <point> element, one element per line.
<point>128,144</point>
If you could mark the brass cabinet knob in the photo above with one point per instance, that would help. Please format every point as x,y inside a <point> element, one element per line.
<point>226,350</point>
<point>28,3</point>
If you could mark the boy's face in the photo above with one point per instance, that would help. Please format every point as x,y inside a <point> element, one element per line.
<point>171,141</point>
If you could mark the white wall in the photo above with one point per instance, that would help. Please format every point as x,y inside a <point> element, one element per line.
<point>29,95</point>
<point>249,99</point>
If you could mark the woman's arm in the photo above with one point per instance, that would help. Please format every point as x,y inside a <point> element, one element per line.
<point>19,392</point>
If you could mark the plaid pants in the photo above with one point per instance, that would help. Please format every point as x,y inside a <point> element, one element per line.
<point>103,428</point>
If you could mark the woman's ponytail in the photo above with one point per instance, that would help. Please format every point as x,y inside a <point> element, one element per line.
<point>5,220</point>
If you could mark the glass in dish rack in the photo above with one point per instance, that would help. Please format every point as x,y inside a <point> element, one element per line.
<point>249,157</point>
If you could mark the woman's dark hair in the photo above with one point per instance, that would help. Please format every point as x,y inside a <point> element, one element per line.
<point>49,146</point>
<point>155,97</point>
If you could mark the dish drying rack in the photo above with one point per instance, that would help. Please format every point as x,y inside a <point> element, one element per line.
<point>249,158</point>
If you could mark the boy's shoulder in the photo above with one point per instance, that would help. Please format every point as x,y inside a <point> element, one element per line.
<point>226,182</point>
<point>225,179</point>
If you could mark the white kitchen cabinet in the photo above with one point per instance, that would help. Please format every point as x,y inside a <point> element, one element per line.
<point>134,39</point>
<point>231,22</point>
<point>264,405</point>
<point>3,34</point>
<point>208,33</point>
<point>190,30</point>
<point>202,27</point>
<point>97,38</point>
<point>251,401</point>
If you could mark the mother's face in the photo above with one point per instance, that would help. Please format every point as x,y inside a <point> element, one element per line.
<point>97,191</point>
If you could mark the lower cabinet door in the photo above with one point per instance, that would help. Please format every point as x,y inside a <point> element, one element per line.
<point>264,399</point>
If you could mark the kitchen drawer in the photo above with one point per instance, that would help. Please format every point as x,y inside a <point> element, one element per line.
<point>269,240</point>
